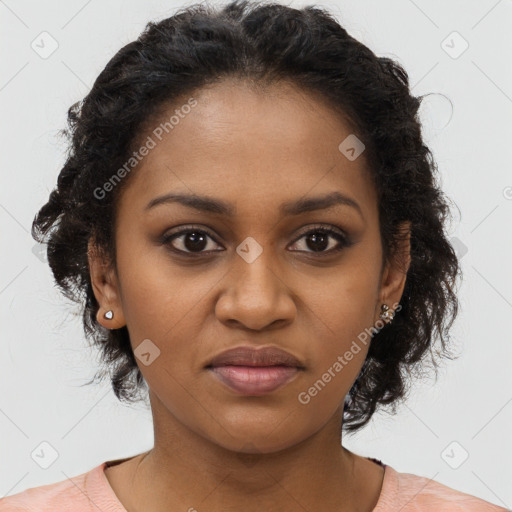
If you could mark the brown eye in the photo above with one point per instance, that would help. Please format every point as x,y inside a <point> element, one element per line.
<point>195,242</point>
<point>190,241</point>
<point>324,241</point>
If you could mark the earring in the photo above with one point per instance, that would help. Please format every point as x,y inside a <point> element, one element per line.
<point>386,313</point>
<point>109,315</point>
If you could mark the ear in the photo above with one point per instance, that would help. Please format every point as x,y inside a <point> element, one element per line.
<point>105,287</point>
<point>395,271</point>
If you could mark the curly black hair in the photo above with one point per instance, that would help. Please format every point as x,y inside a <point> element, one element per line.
<point>261,43</point>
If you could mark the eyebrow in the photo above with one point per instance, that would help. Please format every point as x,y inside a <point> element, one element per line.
<point>217,206</point>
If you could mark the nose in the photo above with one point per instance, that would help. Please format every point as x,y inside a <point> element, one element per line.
<point>255,295</point>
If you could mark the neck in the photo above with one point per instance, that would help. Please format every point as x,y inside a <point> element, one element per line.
<point>185,469</point>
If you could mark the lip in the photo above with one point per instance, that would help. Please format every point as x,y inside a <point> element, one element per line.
<point>249,356</point>
<point>255,372</point>
<point>254,380</point>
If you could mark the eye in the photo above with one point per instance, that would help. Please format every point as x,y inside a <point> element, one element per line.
<point>190,240</point>
<point>199,241</point>
<point>318,240</point>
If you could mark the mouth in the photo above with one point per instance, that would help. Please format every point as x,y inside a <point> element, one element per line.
<point>255,372</point>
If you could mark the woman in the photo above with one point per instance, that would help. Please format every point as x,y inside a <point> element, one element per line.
<point>249,217</point>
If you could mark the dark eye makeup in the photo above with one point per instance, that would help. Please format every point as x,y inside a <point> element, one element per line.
<point>194,240</point>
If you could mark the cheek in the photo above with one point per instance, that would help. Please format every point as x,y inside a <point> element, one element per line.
<point>339,355</point>
<point>341,313</point>
<point>343,304</point>
<point>158,296</point>
<point>165,309</point>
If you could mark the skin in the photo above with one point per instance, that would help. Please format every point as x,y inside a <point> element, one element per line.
<point>215,449</point>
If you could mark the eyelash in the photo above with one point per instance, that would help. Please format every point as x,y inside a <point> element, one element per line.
<point>343,240</point>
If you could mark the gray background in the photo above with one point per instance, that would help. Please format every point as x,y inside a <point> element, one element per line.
<point>43,356</point>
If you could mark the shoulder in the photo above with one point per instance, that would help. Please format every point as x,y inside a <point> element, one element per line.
<point>72,493</point>
<point>413,493</point>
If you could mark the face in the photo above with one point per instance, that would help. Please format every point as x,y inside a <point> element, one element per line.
<point>256,272</point>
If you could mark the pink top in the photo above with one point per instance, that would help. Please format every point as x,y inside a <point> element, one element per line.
<point>91,492</point>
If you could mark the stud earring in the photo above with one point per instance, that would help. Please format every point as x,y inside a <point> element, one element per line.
<point>386,313</point>
<point>109,315</point>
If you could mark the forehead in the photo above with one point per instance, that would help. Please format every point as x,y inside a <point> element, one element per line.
<point>243,144</point>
